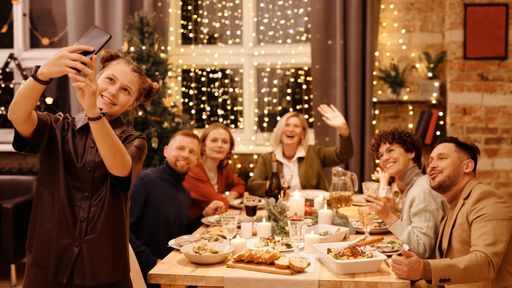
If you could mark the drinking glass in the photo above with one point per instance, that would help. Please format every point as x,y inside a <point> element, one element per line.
<point>370,187</point>
<point>296,231</point>
<point>366,219</point>
<point>229,225</point>
<point>285,184</point>
<point>251,205</point>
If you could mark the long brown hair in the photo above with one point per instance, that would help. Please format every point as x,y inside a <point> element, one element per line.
<point>207,131</point>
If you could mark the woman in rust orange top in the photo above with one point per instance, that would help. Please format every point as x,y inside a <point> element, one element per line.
<point>211,178</point>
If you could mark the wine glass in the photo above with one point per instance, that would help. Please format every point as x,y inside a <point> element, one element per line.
<point>366,219</point>
<point>229,225</point>
<point>251,205</point>
<point>286,182</point>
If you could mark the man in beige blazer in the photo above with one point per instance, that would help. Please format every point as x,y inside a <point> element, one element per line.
<point>474,247</point>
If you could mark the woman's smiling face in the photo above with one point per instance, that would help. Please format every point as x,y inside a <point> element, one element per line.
<point>393,159</point>
<point>293,132</point>
<point>118,88</point>
<point>217,144</point>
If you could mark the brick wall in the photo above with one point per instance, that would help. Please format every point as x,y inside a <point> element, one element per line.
<point>478,93</point>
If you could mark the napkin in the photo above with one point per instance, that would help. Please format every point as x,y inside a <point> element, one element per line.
<point>236,278</point>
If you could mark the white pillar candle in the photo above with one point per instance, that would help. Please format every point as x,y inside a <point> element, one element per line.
<point>318,202</point>
<point>325,216</point>
<point>296,204</point>
<point>246,229</point>
<point>264,229</point>
<point>240,244</point>
<point>309,240</point>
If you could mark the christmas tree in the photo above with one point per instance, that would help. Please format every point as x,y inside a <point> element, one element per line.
<point>160,118</point>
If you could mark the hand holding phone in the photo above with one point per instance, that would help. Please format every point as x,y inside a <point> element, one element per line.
<point>95,37</point>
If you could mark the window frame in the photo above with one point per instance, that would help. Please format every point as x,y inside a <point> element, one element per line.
<point>248,56</point>
<point>28,56</point>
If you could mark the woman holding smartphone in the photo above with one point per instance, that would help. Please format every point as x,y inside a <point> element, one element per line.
<point>78,232</point>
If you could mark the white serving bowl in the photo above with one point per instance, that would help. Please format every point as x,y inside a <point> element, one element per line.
<point>348,266</point>
<point>224,251</point>
<point>336,233</point>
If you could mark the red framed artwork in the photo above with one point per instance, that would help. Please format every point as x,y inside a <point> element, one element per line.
<point>486,31</point>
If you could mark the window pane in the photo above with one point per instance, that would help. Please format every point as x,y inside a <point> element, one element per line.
<point>213,95</point>
<point>281,90</point>
<point>283,21</point>
<point>47,23</point>
<point>6,28</point>
<point>211,22</point>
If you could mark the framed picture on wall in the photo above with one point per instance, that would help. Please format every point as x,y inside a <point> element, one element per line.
<point>485,31</point>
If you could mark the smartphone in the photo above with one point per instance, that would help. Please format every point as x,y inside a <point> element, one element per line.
<point>94,37</point>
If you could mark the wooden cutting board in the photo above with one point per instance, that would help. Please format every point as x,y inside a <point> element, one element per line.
<point>259,268</point>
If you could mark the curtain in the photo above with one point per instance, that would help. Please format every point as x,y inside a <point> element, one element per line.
<point>344,37</point>
<point>109,15</point>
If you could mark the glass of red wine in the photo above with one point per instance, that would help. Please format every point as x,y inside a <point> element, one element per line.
<point>251,205</point>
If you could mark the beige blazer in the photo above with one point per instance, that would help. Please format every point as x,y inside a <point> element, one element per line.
<point>476,246</point>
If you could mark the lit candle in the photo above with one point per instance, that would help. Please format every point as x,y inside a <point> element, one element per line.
<point>240,244</point>
<point>309,240</point>
<point>325,216</point>
<point>264,229</point>
<point>296,204</point>
<point>246,229</point>
<point>318,202</point>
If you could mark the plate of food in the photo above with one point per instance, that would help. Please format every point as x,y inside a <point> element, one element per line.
<point>214,220</point>
<point>239,203</point>
<point>378,227</point>
<point>207,253</point>
<point>311,194</point>
<point>340,258</point>
<point>207,236</point>
<point>390,247</point>
<point>328,233</point>
<point>275,243</point>
<point>358,200</point>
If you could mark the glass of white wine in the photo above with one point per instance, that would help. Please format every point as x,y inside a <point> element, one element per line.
<point>229,225</point>
<point>366,219</point>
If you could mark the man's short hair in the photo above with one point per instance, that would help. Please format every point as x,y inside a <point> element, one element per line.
<point>185,133</point>
<point>469,149</point>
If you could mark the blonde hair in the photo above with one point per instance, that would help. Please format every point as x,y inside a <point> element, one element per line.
<point>147,88</point>
<point>275,139</point>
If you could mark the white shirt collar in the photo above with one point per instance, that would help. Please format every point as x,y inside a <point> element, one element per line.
<point>291,167</point>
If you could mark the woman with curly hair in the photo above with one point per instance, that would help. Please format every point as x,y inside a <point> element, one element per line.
<point>416,215</point>
<point>78,232</point>
<point>212,179</point>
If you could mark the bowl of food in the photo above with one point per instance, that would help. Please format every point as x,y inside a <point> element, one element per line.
<point>390,247</point>
<point>328,233</point>
<point>340,258</point>
<point>207,252</point>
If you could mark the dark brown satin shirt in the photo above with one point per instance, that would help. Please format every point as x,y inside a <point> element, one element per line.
<point>79,221</point>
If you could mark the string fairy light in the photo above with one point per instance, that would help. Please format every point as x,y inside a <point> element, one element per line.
<point>236,69</point>
<point>393,44</point>
<point>218,23</point>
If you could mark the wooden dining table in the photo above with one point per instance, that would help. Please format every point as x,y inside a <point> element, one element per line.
<point>175,270</point>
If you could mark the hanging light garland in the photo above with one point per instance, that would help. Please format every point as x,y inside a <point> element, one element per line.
<point>215,91</point>
<point>218,23</point>
<point>394,45</point>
